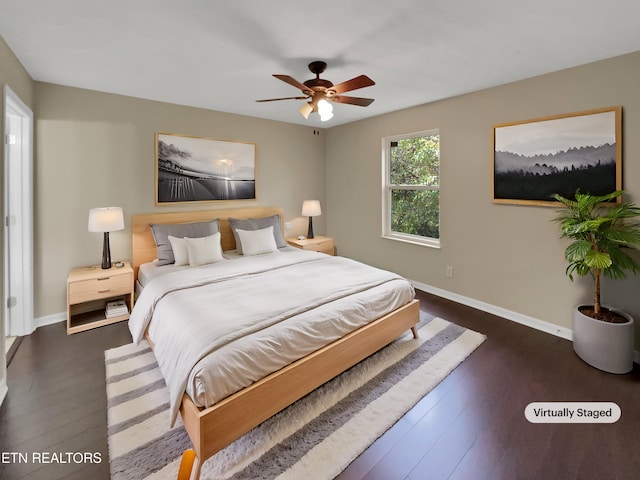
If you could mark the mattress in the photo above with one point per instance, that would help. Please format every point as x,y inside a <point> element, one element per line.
<point>217,329</point>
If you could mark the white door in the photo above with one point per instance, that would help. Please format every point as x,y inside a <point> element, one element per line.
<point>18,216</point>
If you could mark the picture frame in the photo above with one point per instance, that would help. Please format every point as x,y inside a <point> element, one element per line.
<point>193,169</point>
<point>534,159</point>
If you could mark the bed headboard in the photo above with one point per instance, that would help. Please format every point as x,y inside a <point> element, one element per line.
<point>144,247</point>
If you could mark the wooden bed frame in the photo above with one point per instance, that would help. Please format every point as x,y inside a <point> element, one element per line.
<point>211,429</point>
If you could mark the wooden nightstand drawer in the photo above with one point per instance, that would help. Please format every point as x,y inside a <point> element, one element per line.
<point>101,287</point>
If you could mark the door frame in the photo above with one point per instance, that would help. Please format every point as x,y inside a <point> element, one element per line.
<point>18,259</point>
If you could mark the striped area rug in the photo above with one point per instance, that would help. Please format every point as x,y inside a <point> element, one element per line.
<point>316,437</point>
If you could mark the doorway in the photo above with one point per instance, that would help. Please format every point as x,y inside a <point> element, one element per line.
<point>18,216</point>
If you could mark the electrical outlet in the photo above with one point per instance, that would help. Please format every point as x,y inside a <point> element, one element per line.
<point>449,271</point>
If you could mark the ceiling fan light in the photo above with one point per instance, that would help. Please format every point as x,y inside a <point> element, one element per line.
<point>306,109</point>
<point>325,109</point>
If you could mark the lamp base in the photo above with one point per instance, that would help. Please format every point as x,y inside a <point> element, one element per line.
<point>106,252</point>
<point>310,229</point>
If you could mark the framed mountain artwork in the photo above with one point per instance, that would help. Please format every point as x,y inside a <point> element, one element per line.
<point>534,159</point>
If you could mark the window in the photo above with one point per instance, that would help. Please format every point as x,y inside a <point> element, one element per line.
<point>411,182</point>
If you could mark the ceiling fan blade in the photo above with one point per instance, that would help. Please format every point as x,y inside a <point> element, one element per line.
<point>353,84</point>
<point>361,102</point>
<point>285,98</point>
<point>293,82</point>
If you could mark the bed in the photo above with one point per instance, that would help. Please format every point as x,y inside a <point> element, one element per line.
<point>212,423</point>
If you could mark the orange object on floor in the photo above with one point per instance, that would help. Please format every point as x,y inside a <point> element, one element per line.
<point>186,464</point>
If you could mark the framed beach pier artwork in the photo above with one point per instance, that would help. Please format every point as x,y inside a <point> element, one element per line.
<point>199,169</point>
<point>536,158</point>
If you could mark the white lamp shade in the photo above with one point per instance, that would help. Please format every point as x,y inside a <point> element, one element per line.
<point>306,109</point>
<point>311,208</point>
<point>106,219</point>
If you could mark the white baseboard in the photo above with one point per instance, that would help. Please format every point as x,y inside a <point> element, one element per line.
<point>499,311</point>
<point>50,319</point>
<point>536,323</point>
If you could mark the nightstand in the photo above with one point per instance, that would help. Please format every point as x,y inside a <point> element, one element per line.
<point>316,244</point>
<point>89,289</point>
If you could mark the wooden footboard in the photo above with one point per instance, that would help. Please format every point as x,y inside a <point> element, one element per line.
<point>213,428</point>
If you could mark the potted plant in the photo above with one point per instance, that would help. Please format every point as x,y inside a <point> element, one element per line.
<point>602,336</point>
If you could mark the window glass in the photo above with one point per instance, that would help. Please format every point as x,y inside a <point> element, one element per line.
<point>411,199</point>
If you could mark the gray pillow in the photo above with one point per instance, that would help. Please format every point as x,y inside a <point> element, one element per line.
<point>161,234</point>
<point>252,224</point>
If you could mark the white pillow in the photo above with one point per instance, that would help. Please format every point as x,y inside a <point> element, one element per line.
<point>257,242</point>
<point>179,247</point>
<point>204,250</point>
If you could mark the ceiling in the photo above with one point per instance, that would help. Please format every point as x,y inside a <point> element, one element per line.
<point>221,55</point>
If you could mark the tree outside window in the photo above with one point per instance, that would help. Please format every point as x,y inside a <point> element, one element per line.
<point>411,209</point>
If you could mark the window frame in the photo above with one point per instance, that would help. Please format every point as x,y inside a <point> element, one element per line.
<point>388,188</point>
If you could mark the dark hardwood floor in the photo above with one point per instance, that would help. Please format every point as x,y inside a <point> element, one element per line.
<point>471,426</point>
<point>57,402</point>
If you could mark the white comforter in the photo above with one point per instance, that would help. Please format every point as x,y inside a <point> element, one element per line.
<point>204,311</point>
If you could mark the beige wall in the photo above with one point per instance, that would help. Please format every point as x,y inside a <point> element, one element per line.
<point>12,73</point>
<point>95,149</point>
<point>503,255</point>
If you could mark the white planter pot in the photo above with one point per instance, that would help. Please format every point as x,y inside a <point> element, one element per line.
<point>606,346</point>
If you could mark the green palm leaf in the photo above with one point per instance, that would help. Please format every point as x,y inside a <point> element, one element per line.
<point>599,260</point>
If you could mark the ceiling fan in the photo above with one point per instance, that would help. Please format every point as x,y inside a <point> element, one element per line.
<point>320,92</point>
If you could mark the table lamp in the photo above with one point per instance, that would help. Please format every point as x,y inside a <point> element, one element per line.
<point>311,208</point>
<point>105,220</point>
